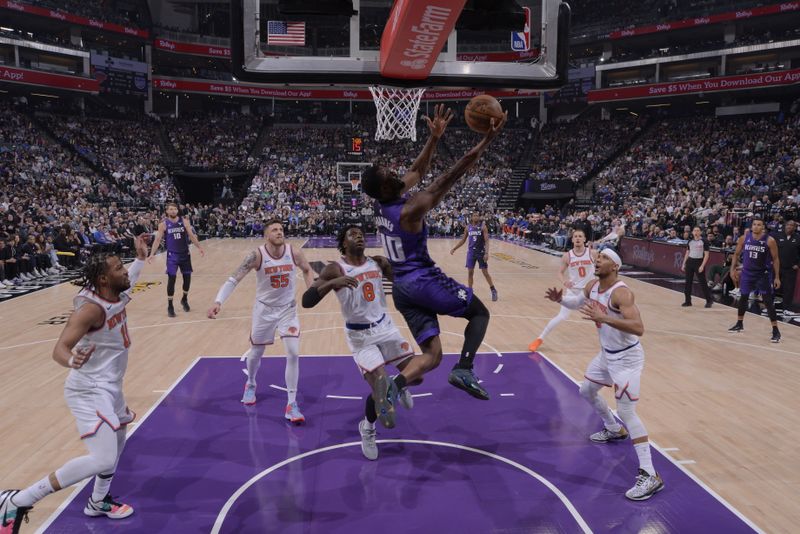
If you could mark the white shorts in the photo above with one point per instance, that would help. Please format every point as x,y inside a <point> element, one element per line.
<point>623,373</point>
<point>378,346</point>
<point>94,403</point>
<point>268,319</point>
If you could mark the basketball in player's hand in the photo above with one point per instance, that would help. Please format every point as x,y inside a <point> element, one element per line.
<point>480,111</point>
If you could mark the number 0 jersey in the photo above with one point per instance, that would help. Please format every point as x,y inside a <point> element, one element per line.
<point>581,268</point>
<point>109,360</point>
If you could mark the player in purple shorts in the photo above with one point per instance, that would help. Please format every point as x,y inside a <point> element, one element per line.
<point>476,235</point>
<point>420,289</point>
<point>760,273</point>
<point>178,232</point>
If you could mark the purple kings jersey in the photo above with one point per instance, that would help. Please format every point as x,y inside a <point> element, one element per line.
<point>475,238</point>
<point>407,252</point>
<point>177,237</point>
<point>756,255</point>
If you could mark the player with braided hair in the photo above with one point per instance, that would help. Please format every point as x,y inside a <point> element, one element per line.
<point>94,346</point>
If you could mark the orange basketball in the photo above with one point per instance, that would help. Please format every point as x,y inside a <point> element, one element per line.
<point>480,110</point>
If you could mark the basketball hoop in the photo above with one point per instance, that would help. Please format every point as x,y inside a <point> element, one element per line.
<point>397,112</point>
<point>355,182</point>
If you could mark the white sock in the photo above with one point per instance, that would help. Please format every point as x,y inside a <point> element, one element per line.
<point>369,425</point>
<point>253,361</point>
<point>33,494</point>
<point>102,483</point>
<point>292,374</point>
<point>645,460</point>
<point>563,314</point>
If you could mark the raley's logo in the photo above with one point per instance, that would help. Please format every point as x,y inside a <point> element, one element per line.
<point>15,5</point>
<point>421,48</point>
<point>643,254</point>
<point>790,6</point>
<point>166,84</point>
<point>57,15</point>
<point>744,14</point>
<point>702,20</point>
<point>163,43</point>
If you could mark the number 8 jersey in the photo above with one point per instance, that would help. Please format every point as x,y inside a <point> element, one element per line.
<point>366,303</point>
<point>275,278</point>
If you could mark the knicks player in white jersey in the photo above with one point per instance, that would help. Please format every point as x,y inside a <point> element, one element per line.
<point>372,336</point>
<point>610,304</point>
<point>577,270</point>
<point>94,347</point>
<point>275,263</point>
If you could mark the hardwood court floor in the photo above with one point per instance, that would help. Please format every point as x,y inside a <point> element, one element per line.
<point>723,403</point>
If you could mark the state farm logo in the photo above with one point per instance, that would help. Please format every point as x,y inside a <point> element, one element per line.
<point>415,64</point>
<point>643,254</point>
<point>662,27</point>
<point>166,44</point>
<point>57,15</point>
<point>702,20</point>
<point>548,187</point>
<point>743,14</point>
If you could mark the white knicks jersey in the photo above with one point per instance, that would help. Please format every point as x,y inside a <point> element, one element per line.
<point>366,303</point>
<point>109,360</point>
<point>275,278</point>
<point>611,339</point>
<point>581,268</point>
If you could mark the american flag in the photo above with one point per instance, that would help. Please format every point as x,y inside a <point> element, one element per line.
<point>286,33</point>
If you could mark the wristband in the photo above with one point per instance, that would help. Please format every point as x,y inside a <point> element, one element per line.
<point>71,361</point>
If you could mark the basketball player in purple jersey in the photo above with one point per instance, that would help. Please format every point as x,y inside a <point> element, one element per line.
<point>761,270</point>
<point>178,234</point>
<point>476,236</point>
<point>420,289</point>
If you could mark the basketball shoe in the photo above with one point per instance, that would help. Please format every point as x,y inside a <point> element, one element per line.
<point>605,435</point>
<point>249,396</point>
<point>646,486</point>
<point>293,414</point>
<point>385,390</point>
<point>107,507</point>
<point>11,515</point>
<point>465,379</point>
<point>535,344</point>
<point>368,445</point>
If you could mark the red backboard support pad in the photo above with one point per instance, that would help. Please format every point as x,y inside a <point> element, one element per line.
<point>415,34</point>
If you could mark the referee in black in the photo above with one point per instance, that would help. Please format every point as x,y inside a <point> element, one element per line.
<point>789,252</point>
<point>694,263</point>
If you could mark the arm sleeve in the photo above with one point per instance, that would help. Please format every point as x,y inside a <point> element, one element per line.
<point>226,290</point>
<point>573,302</point>
<point>135,270</point>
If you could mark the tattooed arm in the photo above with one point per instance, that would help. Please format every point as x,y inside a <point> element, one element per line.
<point>251,262</point>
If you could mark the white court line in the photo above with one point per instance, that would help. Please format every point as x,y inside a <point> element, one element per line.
<point>685,462</point>
<point>345,397</point>
<point>688,473</point>
<point>498,369</point>
<point>83,484</point>
<point>422,395</point>
<point>506,394</point>
<point>670,449</point>
<point>159,391</point>
<point>549,485</point>
<point>670,332</point>
<point>273,386</point>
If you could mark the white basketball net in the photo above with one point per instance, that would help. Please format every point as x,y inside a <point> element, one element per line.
<point>397,112</point>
